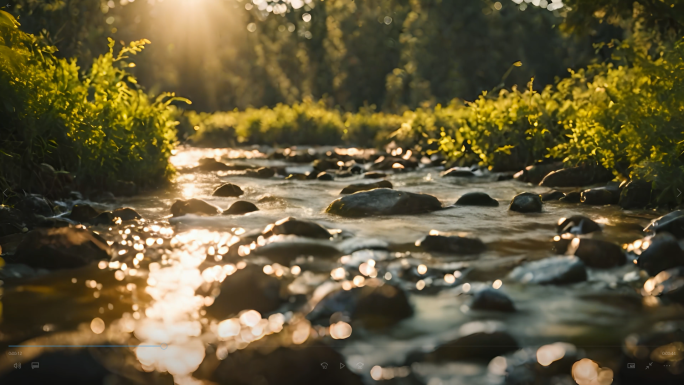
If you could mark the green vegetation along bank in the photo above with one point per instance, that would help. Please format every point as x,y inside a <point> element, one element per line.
<point>65,129</point>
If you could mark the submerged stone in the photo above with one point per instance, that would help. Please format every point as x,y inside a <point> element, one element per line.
<point>60,248</point>
<point>246,289</point>
<point>294,226</point>
<point>193,206</point>
<point>451,244</point>
<point>228,190</point>
<point>375,307</point>
<point>383,201</point>
<point>352,188</point>
<point>477,199</point>
<point>554,270</point>
<point>526,203</point>
<point>479,341</point>
<point>492,299</point>
<point>241,207</point>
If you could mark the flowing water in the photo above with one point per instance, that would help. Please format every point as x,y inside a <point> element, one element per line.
<point>152,297</point>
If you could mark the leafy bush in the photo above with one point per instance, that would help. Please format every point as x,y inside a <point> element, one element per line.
<point>99,125</point>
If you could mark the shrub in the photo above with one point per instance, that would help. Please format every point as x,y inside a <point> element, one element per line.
<point>98,125</point>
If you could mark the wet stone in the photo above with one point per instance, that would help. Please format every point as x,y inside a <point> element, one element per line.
<point>383,201</point>
<point>572,197</point>
<point>60,248</point>
<point>577,224</point>
<point>526,203</point>
<point>294,365</point>
<point>193,206</point>
<point>106,218</point>
<point>672,223</point>
<point>479,341</point>
<point>451,244</point>
<point>663,253</point>
<point>356,169</point>
<point>262,172</point>
<point>536,173</point>
<point>211,164</point>
<point>241,207</point>
<point>598,196</point>
<point>375,307</point>
<point>597,253</point>
<point>228,190</point>
<point>325,176</point>
<point>287,250</point>
<point>294,226</point>
<point>83,213</point>
<point>477,199</point>
<point>35,204</point>
<point>126,214</point>
<point>492,299</point>
<point>248,288</point>
<point>352,188</point>
<point>297,176</point>
<point>374,175</point>
<point>668,284</point>
<point>552,196</point>
<point>463,172</point>
<point>635,194</point>
<point>577,177</point>
<point>553,270</point>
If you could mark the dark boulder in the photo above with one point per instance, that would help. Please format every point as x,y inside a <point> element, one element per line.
<point>228,190</point>
<point>552,196</point>
<point>286,251</point>
<point>668,284</point>
<point>578,225</point>
<point>261,172</point>
<point>491,299</point>
<point>241,207</point>
<point>356,169</point>
<point>35,204</point>
<point>386,163</point>
<point>126,214</point>
<point>463,172</point>
<point>577,177</point>
<point>294,226</point>
<point>597,253</point>
<point>325,164</point>
<point>598,196</point>
<point>383,201</point>
<point>297,176</point>
<point>83,213</point>
<point>554,270</point>
<point>374,175</point>
<point>248,288</point>
<point>526,203</point>
<point>211,164</point>
<point>635,194</point>
<point>293,365</point>
<point>480,344</point>
<point>572,197</point>
<point>352,188</point>
<point>375,307</point>
<point>536,173</point>
<point>105,218</point>
<point>325,176</point>
<point>193,206</point>
<point>672,223</point>
<point>451,244</point>
<point>477,199</point>
<point>60,248</point>
<point>661,252</point>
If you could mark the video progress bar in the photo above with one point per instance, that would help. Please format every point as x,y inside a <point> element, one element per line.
<point>163,346</point>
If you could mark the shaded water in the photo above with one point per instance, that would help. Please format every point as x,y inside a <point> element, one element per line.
<point>173,267</point>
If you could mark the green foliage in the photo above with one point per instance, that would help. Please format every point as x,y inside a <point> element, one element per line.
<point>99,125</point>
<point>305,123</point>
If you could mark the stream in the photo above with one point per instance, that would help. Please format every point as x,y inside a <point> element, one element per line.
<point>149,315</point>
